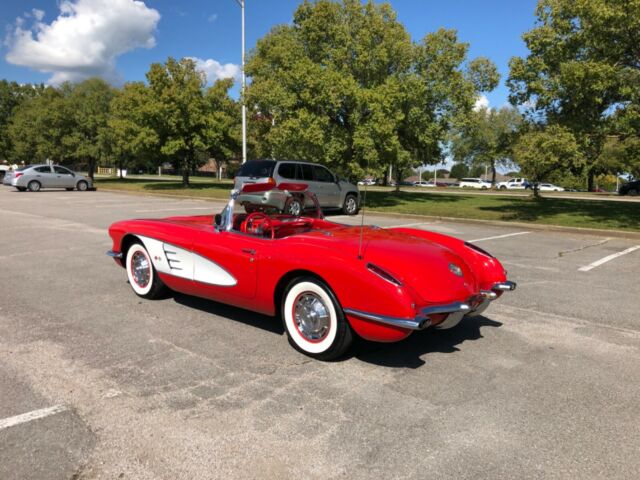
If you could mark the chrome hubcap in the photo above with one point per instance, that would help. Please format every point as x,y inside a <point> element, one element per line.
<point>312,317</point>
<point>351,205</point>
<point>140,269</point>
<point>294,208</point>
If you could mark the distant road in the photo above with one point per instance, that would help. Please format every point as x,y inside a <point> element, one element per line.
<point>439,190</point>
<point>517,193</point>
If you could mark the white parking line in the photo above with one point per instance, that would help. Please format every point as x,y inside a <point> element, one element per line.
<point>608,258</point>
<point>409,225</point>
<point>498,236</point>
<point>174,209</point>
<point>30,416</point>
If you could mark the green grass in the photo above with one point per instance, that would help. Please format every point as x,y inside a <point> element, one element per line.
<point>602,214</point>
<point>200,187</point>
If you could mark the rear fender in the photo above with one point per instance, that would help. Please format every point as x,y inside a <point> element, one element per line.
<point>487,268</point>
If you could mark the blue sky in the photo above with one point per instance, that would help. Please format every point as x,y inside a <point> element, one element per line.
<point>137,35</point>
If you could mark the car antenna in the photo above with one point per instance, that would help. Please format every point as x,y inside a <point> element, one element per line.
<point>364,201</point>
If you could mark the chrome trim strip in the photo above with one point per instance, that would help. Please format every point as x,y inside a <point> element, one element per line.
<point>448,308</point>
<point>420,322</point>
<point>505,286</point>
<point>488,294</point>
<point>410,323</point>
<point>113,254</point>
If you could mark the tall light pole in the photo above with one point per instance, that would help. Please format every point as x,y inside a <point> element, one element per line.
<point>244,80</point>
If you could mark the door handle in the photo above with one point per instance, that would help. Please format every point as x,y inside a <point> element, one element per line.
<point>250,251</point>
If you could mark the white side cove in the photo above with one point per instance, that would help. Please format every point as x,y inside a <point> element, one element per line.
<point>182,263</point>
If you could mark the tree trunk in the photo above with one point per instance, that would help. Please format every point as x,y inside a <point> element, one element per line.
<point>493,173</point>
<point>590,181</point>
<point>92,167</point>
<point>536,190</point>
<point>185,174</point>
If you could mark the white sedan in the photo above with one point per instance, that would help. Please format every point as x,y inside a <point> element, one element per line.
<point>550,187</point>
<point>424,184</point>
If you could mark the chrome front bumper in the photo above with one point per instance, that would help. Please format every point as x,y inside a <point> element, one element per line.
<point>455,311</point>
<point>113,254</point>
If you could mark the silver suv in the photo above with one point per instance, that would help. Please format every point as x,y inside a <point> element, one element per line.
<point>330,191</point>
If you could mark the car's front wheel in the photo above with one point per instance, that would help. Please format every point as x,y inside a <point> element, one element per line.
<point>34,186</point>
<point>82,186</point>
<point>143,278</point>
<point>314,320</point>
<point>350,206</point>
<point>633,192</point>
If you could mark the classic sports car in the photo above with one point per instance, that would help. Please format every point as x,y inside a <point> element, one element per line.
<point>327,281</point>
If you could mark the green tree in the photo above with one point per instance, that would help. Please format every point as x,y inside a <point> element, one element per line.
<point>131,135</point>
<point>345,85</point>
<point>88,104</point>
<point>459,170</point>
<point>179,112</point>
<point>485,137</point>
<point>223,131</point>
<point>12,95</point>
<point>540,153</point>
<point>582,66</point>
<point>39,127</point>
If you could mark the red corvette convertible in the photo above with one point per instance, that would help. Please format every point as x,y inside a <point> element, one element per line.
<point>327,281</point>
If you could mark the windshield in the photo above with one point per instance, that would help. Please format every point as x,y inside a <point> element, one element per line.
<point>273,212</point>
<point>257,169</point>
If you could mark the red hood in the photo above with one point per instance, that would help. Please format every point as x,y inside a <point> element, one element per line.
<point>420,264</point>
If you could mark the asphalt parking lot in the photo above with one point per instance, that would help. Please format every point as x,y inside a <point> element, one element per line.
<point>97,383</point>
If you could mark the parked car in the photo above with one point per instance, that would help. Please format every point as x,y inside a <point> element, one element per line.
<point>328,282</point>
<point>367,181</point>
<point>630,188</point>
<point>331,191</point>
<point>549,187</point>
<point>474,183</point>
<point>36,177</point>
<point>514,184</point>
<point>6,179</point>
<point>4,170</point>
<point>424,184</point>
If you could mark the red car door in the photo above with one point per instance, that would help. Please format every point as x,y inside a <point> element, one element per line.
<point>226,264</point>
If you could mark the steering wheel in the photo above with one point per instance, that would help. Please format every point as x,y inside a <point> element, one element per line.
<point>266,224</point>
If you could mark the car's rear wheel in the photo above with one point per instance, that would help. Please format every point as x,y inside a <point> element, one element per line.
<point>314,320</point>
<point>34,186</point>
<point>82,186</point>
<point>143,278</point>
<point>633,192</point>
<point>293,206</point>
<point>350,206</point>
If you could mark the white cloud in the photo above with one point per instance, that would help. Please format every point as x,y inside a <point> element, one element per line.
<point>37,14</point>
<point>214,70</point>
<point>212,18</point>
<point>481,102</point>
<point>84,40</point>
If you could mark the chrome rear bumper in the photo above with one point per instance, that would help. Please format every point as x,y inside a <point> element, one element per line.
<point>455,311</point>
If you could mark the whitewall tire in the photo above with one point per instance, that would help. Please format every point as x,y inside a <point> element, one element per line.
<point>313,319</point>
<point>143,278</point>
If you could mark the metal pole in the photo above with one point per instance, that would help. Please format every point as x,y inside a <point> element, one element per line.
<point>244,82</point>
